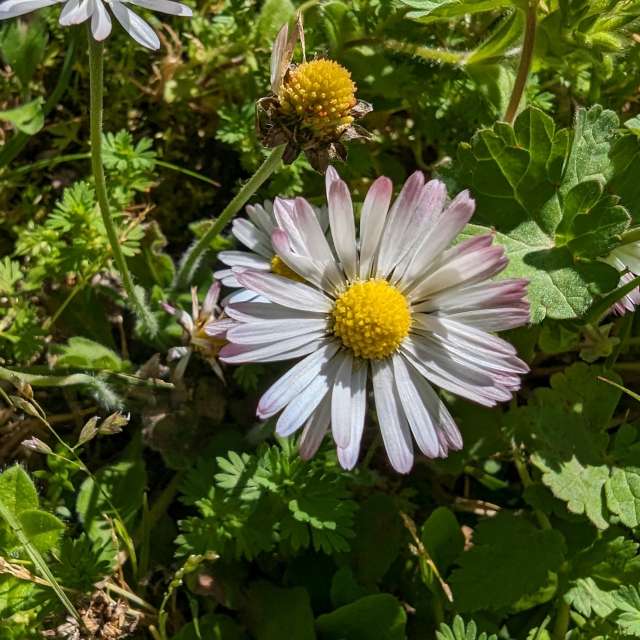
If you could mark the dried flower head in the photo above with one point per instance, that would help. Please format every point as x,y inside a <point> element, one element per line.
<point>312,106</point>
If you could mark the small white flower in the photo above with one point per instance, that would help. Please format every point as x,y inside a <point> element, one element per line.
<point>78,11</point>
<point>626,259</point>
<point>401,307</point>
<point>255,235</point>
<point>204,330</point>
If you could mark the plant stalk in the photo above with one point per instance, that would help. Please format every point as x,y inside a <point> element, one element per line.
<point>194,254</point>
<point>526,57</point>
<point>96,78</point>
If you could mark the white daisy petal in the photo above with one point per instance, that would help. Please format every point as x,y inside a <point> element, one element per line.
<point>399,218</point>
<point>264,310</point>
<point>285,292</point>
<point>135,26</point>
<point>372,219</point>
<point>100,22</point>
<point>307,268</point>
<point>341,403</point>
<point>343,226</point>
<point>295,380</point>
<point>274,352</point>
<point>76,12</point>
<point>164,6</point>
<point>262,217</point>
<point>244,259</point>
<point>252,237</point>
<point>262,332</point>
<point>348,455</point>
<point>15,8</point>
<point>305,403</point>
<point>440,236</point>
<point>315,429</point>
<point>393,422</point>
<point>424,410</point>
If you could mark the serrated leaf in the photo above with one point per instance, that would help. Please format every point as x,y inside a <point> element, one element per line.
<point>587,598</point>
<point>627,602</point>
<point>461,631</point>
<point>623,495</point>
<point>496,573</point>
<point>442,538</point>
<point>545,200</point>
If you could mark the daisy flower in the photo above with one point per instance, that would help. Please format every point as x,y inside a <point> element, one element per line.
<point>255,235</point>
<point>78,11</point>
<point>626,259</point>
<point>204,330</point>
<point>400,307</point>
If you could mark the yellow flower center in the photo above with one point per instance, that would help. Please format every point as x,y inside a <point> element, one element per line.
<point>280,268</point>
<point>372,318</point>
<point>320,93</point>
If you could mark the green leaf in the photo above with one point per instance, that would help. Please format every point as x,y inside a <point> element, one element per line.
<point>565,427</point>
<point>442,538</point>
<point>427,11</point>
<point>17,491</point>
<point>496,573</point>
<point>120,486</point>
<point>43,529</point>
<point>83,353</point>
<point>461,631</point>
<point>271,609</point>
<point>28,118</point>
<point>23,46</point>
<point>379,616</point>
<point>379,533</point>
<point>587,598</point>
<point>623,495</point>
<point>627,601</point>
<point>545,200</point>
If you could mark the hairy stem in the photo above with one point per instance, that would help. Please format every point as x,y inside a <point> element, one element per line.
<point>194,254</point>
<point>96,54</point>
<point>526,58</point>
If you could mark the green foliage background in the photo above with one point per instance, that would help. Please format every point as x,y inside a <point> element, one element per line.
<point>193,519</point>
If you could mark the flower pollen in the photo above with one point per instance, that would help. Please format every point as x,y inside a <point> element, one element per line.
<point>320,93</point>
<point>371,318</point>
<point>280,268</point>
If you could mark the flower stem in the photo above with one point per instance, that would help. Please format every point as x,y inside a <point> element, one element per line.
<point>136,299</point>
<point>526,58</point>
<point>563,618</point>
<point>194,254</point>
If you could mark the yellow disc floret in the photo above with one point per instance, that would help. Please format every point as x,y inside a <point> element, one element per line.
<point>280,268</point>
<point>321,94</point>
<point>371,318</point>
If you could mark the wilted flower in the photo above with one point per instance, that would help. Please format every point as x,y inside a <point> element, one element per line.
<point>255,234</point>
<point>204,330</point>
<point>78,11</point>
<point>37,445</point>
<point>312,106</point>
<point>626,259</point>
<point>401,306</point>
